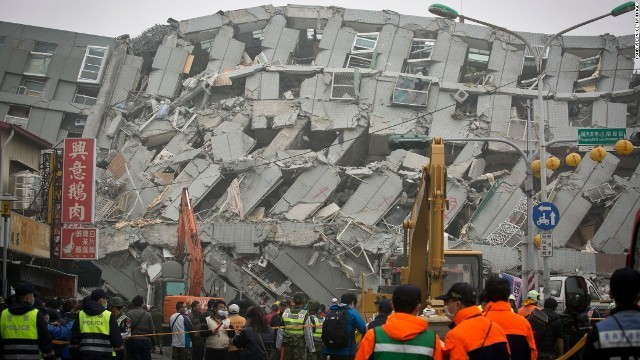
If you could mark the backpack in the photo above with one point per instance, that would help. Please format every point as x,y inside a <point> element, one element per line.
<point>539,321</point>
<point>334,330</point>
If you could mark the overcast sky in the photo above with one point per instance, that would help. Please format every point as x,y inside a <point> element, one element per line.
<point>117,17</point>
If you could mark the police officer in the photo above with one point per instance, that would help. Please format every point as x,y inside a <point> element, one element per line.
<point>116,304</point>
<point>23,328</point>
<point>95,335</point>
<point>616,337</point>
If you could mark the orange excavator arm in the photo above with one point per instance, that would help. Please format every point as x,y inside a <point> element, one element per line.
<point>189,249</point>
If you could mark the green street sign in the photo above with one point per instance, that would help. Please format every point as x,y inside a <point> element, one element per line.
<point>600,136</point>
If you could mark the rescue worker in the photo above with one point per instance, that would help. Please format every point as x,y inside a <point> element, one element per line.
<point>616,337</point>
<point>404,331</point>
<point>316,321</point>
<point>530,303</point>
<point>518,330</point>
<point>23,328</point>
<point>297,339</point>
<point>116,304</point>
<point>512,303</point>
<point>95,335</point>
<point>473,336</point>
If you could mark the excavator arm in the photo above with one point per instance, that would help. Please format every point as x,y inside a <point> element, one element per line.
<point>189,249</point>
<point>426,227</point>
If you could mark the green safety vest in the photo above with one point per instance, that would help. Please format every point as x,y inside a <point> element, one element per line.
<point>290,318</point>
<point>20,335</point>
<point>420,347</point>
<point>317,333</point>
<point>95,332</point>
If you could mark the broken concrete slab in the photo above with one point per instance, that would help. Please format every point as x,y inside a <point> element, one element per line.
<point>231,146</point>
<point>312,188</point>
<point>373,198</point>
<point>255,185</point>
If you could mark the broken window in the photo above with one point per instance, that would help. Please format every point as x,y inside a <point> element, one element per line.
<point>580,113</point>
<point>39,58</point>
<point>206,45</point>
<point>529,72</point>
<point>257,36</point>
<point>31,87</point>
<point>600,192</point>
<point>420,56</point>
<point>517,128</point>
<point>95,59</point>
<point>343,86</point>
<point>86,95</point>
<point>362,50</point>
<point>588,74</point>
<point>18,115</point>
<point>466,107</point>
<point>314,34</point>
<point>308,47</point>
<point>476,65</point>
<point>411,90</point>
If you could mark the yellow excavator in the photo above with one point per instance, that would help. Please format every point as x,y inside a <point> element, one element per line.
<point>430,267</point>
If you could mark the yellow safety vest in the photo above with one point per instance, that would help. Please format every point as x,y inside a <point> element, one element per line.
<point>20,335</point>
<point>289,318</point>
<point>95,332</point>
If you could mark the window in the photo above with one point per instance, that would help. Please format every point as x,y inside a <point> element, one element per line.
<point>410,90</point>
<point>517,128</point>
<point>86,95</point>
<point>419,56</point>
<point>206,45</point>
<point>39,59</point>
<point>314,34</point>
<point>362,50</point>
<point>529,72</point>
<point>257,36</point>
<point>18,115</point>
<point>95,59</point>
<point>31,87</point>
<point>580,113</point>
<point>476,66</point>
<point>588,74</point>
<point>343,86</point>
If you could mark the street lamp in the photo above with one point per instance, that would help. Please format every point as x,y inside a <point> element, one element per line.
<point>527,260</point>
<point>449,13</point>
<point>6,200</point>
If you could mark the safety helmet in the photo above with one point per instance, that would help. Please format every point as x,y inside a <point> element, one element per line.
<point>512,297</point>
<point>534,295</point>
<point>116,301</point>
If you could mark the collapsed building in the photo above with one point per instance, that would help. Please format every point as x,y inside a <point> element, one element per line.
<point>277,119</point>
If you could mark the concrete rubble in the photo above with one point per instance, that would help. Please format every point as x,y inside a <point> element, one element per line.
<point>276,120</point>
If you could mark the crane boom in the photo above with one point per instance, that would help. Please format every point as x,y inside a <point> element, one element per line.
<point>189,249</point>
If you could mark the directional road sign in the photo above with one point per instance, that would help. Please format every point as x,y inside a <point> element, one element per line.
<point>588,138</point>
<point>546,216</point>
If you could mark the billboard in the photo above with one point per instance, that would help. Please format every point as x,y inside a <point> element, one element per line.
<point>79,244</point>
<point>29,236</point>
<point>78,176</point>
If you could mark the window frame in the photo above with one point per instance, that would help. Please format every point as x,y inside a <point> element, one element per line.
<point>17,120</point>
<point>84,96</point>
<point>398,90</point>
<point>99,73</point>
<point>23,89</point>
<point>335,85</point>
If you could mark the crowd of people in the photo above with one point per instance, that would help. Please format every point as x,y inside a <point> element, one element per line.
<point>485,326</point>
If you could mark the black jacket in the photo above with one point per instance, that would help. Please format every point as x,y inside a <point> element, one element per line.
<point>93,308</point>
<point>546,340</point>
<point>44,338</point>
<point>379,320</point>
<point>619,338</point>
<point>251,344</point>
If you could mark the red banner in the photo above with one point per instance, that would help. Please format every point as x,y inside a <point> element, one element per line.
<point>79,244</point>
<point>78,175</point>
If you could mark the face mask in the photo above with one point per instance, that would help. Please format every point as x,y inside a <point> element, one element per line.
<point>222,313</point>
<point>449,314</point>
<point>106,304</point>
<point>32,301</point>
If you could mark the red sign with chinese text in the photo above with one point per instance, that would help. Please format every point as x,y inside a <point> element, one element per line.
<point>79,244</point>
<point>78,174</point>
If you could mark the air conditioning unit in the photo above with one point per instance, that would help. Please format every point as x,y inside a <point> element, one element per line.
<point>461,96</point>
<point>80,122</point>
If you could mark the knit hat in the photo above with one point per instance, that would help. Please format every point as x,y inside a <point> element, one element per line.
<point>24,288</point>
<point>98,294</point>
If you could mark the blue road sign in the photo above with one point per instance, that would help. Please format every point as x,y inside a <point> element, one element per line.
<point>546,216</point>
